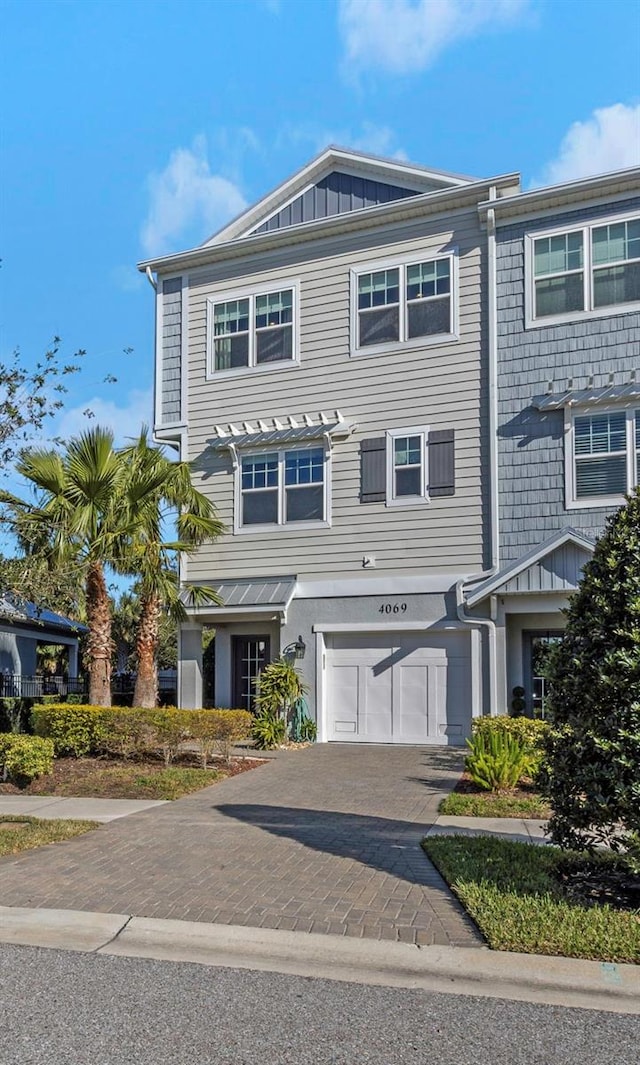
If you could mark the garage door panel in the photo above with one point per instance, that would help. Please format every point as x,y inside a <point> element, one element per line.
<point>399,687</point>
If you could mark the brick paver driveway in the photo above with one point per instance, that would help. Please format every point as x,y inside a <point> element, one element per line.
<point>324,839</point>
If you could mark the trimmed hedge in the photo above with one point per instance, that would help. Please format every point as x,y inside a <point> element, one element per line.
<point>81,730</point>
<point>22,758</point>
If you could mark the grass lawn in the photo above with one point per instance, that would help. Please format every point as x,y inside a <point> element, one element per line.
<point>520,803</point>
<point>107,778</point>
<point>539,900</point>
<point>19,833</point>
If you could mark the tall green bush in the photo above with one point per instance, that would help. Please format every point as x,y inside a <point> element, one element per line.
<point>593,776</point>
<point>279,688</point>
<point>22,758</point>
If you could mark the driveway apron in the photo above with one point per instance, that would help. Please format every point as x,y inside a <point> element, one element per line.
<point>323,839</point>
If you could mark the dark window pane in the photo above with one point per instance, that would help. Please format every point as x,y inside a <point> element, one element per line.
<point>305,504</point>
<point>601,477</point>
<point>232,352</point>
<point>259,508</point>
<point>274,345</point>
<point>428,319</point>
<point>618,284</point>
<point>559,295</point>
<point>378,327</point>
<point>409,482</point>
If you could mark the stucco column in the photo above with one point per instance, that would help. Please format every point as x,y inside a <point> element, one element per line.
<point>190,666</point>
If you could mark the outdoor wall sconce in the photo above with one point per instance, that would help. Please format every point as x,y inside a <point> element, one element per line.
<point>295,650</point>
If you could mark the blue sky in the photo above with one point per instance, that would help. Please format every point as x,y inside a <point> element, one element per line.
<point>133,128</point>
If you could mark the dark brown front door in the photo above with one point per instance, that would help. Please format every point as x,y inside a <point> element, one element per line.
<point>250,656</point>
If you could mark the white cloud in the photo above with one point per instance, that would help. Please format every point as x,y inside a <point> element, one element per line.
<point>125,419</point>
<point>608,140</point>
<point>187,201</point>
<point>401,36</point>
<point>380,140</point>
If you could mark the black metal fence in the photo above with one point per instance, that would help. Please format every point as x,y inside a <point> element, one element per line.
<point>19,686</point>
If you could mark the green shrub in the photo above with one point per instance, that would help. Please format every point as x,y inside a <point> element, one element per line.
<point>74,729</point>
<point>269,730</point>
<point>170,728</point>
<point>497,761</point>
<point>530,732</point>
<point>126,733</point>
<point>593,772</point>
<point>308,730</point>
<point>279,688</point>
<point>23,758</point>
<point>218,730</point>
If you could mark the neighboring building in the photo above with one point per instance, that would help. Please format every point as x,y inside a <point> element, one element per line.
<point>568,370</point>
<point>352,366</point>
<point>322,361</point>
<point>22,627</point>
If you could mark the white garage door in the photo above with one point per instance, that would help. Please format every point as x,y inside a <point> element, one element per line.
<point>399,687</point>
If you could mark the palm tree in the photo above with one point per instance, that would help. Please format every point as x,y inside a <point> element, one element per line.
<point>85,512</point>
<point>153,561</point>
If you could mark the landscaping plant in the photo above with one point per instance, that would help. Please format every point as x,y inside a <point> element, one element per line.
<point>279,689</point>
<point>497,761</point>
<point>23,758</point>
<point>593,751</point>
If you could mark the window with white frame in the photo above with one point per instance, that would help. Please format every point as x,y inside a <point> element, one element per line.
<point>584,270</point>
<point>256,330</point>
<point>283,487</point>
<point>403,304</point>
<point>605,459</point>
<point>407,466</point>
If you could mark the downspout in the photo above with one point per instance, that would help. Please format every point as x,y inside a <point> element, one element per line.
<point>492,334</point>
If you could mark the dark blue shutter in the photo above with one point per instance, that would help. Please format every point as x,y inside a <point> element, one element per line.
<point>442,463</point>
<point>373,470</point>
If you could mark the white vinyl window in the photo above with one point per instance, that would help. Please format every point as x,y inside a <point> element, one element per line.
<point>407,466</point>
<point>253,331</point>
<point>408,303</point>
<point>604,461</point>
<point>283,488</point>
<point>585,271</point>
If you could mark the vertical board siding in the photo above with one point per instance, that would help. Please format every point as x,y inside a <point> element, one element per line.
<point>440,385</point>
<point>171,352</point>
<point>337,193</point>
<point>531,442</point>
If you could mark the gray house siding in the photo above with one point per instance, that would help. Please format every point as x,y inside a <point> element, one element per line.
<point>530,442</point>
<point>337,193</point>
<point>439,385</point>
<point>171,351</point>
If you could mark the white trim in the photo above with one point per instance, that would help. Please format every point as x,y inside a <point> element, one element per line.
<point>247,530</point>
<point>493,585</point>
<point>407,501</point>
<point>586,228</point>
<point>250,292</point>
<point>376,586</point>
<point>184,350</point>
<point>515,207</point>
<point>594,502</point>
<point>157,379</point>
<point>386,626</point>
<point>321,687</point>
<point>402,263</point>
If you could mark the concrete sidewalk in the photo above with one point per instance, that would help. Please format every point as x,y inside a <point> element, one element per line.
<point>517,828</point>
<point>456,970</point>
<point>53,807</point>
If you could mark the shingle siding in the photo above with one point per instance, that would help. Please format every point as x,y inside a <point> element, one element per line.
<point>171,351</point>
<point>530,443</point>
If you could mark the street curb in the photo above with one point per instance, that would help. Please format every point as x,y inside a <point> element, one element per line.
<point>455,970</point>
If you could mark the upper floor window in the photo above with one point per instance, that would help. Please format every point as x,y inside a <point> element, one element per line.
<point>256,330</point>
<point>283,487</point>
<point>583,271</point>
<point>407,452</point>
<point>407,303</point>
<point>604,460</point>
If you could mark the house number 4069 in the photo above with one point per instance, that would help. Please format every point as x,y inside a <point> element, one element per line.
<point>392,608</point>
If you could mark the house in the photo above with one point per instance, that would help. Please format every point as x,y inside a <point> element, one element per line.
<point>564,289</point>
<point>322,362</point>
<point>24,626</point>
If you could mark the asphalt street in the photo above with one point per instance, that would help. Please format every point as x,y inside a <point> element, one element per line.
<point>83,1009</point>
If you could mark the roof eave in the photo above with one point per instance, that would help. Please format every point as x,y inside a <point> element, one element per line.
<point>525,202</point>
<point>494,583</point>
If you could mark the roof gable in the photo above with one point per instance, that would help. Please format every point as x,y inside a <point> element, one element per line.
<point>337,181</point>
<point>554,566</point>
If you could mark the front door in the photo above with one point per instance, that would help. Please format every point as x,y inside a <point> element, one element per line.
<point>536,645</point>
<point>250,656</point>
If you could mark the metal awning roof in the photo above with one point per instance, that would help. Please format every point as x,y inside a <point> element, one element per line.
<point>22,612</point>
<point>571,397</point>
<point>267,595</point>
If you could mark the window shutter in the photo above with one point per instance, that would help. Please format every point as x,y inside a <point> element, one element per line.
<point>442,468</point>
<point>373,470</point>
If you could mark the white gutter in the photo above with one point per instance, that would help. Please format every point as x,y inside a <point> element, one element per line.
<point>489,623</point>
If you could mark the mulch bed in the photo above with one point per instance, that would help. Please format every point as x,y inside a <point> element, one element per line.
<point>593,883</point>
<point>466,786</point>
<point>68,774</point>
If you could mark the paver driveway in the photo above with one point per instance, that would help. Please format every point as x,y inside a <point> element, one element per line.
<point>324,839</point>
